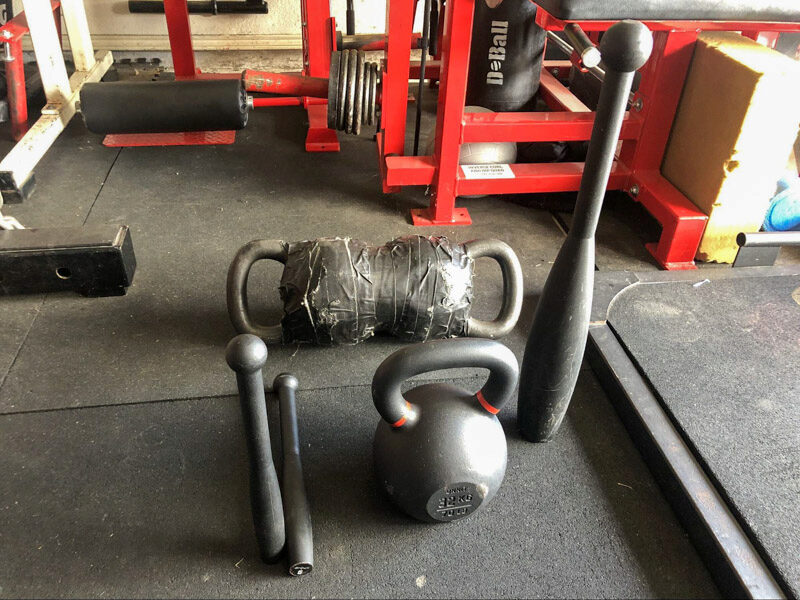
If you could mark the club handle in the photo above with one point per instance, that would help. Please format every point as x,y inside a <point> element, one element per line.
<point>246,355</point>
<point>299,537</point>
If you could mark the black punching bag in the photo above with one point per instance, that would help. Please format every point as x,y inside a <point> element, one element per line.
<point>506,55</point>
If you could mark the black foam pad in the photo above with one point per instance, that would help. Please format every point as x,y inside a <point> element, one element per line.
<point>786,11</point>
<point>164,106</point>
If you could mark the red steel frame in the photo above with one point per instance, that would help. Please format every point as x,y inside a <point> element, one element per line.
<point>319,38</point>
<point>645,132</point>
<point>319,41</point>
<point>12,33</point>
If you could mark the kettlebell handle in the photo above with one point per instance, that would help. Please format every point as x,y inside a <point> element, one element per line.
<point>238,273</point>
<point>512,289</point>
<point>437,355</point>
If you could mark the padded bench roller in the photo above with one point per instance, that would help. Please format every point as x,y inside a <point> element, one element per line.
<point>784,11</point>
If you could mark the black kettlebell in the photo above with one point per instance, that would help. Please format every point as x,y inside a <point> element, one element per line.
<point>440,452</point>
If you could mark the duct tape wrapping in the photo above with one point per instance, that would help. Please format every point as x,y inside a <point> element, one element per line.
<point>342,291</point>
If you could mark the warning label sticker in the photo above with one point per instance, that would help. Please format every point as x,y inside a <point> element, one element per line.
<point>501,171</point>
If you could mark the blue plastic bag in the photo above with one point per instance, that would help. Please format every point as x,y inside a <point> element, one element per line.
<point>784,210</point>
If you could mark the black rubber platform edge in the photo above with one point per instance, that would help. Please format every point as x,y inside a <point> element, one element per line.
<point>731,557</point>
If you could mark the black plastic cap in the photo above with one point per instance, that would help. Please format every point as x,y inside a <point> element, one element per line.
<point>626,46</point>
<point>246,353</point>
<point>285,380</point>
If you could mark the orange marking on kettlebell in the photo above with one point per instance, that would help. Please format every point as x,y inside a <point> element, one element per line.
<point>485,404</point>
<point>402,420</point>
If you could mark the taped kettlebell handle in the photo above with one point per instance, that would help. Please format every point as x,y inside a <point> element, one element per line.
<point>512,289</point>
<point>237,287</point>
<point>437,355</point>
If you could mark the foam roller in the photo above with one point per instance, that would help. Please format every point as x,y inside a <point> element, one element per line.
<point>164,106</point>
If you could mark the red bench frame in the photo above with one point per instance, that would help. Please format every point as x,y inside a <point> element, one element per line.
<point>645,135</point>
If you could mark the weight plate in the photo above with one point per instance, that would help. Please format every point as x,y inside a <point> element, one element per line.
<point>350,105</point>
<point>359,100</point>
<point>369,98</point>
<point>374,92</point>
<point>341,98</point>
<point>333,89</point>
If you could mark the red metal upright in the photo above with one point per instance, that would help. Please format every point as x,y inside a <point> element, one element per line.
<point>180,38</point>
<point>318,31</point>
<point>17,94</point>
<point>657,100</point>
<point>11,33</point>
<point>450,114</point>
<point>394,83</point>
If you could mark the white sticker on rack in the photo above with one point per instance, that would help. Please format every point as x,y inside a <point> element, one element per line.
<point>500,171</point>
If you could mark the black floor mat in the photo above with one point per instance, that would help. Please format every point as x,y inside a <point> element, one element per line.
<point>190,209</point>
<point>150,500</point>
<point>725,358</point>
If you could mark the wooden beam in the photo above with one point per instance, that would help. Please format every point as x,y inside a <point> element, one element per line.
<point>80,41</point>
<point>47,48</point>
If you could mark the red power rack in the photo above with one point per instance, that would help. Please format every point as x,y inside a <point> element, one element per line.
<point>11,34</point>
<point>644,134</point>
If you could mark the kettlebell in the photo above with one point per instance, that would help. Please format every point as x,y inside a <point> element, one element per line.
<point>440,451</point>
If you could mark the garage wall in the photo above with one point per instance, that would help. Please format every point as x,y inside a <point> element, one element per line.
<point>110,21</point>
<point>221,42</point>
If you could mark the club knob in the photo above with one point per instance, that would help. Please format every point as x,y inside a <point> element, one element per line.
<point>246,353</point>
<point>285,380</point>
<point>626,46</point>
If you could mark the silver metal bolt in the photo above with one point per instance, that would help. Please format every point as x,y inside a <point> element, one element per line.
<point>638,105</point>
<point>556,72</point>
<point>634,190</point>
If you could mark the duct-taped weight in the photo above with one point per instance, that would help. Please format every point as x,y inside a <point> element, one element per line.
<point>164,106</point>
<point>352,91</point>
<point>342,291</point>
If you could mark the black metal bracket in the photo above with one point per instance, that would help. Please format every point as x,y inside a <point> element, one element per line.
<point>94,260</point>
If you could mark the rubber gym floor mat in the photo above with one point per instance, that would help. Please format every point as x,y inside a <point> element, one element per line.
<point>724,357</point>
<point>151,500</point>
<point>68,180</point>
<point>190,209</point>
